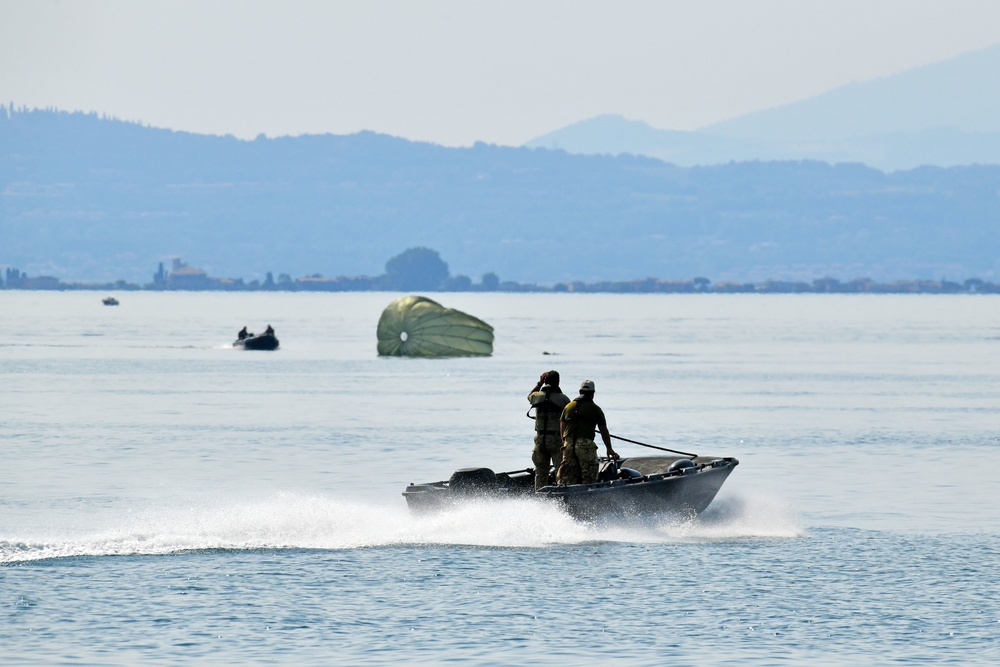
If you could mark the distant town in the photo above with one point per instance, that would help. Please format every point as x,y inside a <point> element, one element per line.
<point>420,269</point>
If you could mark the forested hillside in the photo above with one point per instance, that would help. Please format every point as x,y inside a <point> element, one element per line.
<point>88,198</point>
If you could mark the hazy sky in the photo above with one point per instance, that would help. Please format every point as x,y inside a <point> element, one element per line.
<point>458,71</point>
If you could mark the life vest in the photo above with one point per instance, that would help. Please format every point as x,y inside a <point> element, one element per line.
<point>547,413</point>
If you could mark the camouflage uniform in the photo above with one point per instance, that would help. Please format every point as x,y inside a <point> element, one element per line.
<point>579,454</point>
<point>547,453</point>
<point>579,462</point>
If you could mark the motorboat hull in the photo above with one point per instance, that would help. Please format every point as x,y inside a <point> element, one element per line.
<point>645,486</point>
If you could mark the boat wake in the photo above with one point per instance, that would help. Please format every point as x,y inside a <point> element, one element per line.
<point>292,521</point>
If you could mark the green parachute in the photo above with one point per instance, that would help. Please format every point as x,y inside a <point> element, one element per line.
<point>415,326</point>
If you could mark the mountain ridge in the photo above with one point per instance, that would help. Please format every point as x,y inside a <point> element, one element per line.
<point>892,123</point>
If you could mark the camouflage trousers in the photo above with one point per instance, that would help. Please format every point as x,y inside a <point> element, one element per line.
<point>579,462</point>
<point>547,453</point>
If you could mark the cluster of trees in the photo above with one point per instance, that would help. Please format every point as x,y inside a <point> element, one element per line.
<point>422,270</point>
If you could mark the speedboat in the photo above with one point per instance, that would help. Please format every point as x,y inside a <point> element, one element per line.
<point>264,341</point>
<point>109,301</point>
<point>633,487</point>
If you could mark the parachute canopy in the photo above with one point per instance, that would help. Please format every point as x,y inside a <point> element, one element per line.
<point>415,326</point>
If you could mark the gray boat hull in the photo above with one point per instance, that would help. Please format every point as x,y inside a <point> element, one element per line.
<point>646,486</point>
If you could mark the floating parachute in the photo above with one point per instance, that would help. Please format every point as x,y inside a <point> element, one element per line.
<point>415,326</point>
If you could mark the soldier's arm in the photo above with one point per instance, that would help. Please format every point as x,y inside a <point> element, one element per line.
<point>606,437</point>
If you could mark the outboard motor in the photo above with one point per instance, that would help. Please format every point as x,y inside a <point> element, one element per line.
<point>473,480</point>
<point>681,464</point>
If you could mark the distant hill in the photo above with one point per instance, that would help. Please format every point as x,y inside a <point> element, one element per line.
<point>943,114</point>
<point>90,199</point>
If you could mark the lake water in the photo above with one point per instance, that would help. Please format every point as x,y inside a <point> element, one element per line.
<point>166,499</point>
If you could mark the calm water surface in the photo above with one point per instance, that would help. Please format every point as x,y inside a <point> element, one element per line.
<point>166,499</point>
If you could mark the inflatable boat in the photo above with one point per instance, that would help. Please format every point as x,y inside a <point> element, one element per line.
<point>264,341</point>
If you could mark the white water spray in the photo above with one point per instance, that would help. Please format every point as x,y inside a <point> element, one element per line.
<point>293,521</point>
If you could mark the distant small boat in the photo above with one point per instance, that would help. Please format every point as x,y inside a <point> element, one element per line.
<point>109,301</point>
<point>264,341</point>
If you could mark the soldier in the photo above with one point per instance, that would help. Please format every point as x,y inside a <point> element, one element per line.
<point>577,425</point>
<point>548,402</point>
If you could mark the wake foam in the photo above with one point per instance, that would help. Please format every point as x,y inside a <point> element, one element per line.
<point>290,521</point>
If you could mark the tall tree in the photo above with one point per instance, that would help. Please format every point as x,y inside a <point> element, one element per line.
<point>490,282</point>
<point>416,269</point>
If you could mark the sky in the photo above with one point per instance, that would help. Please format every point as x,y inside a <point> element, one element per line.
<point>454,72</point>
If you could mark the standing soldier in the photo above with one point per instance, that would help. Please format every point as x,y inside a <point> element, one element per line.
<point>577,425</point>
<point>548,402</point>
